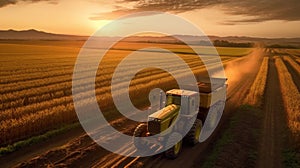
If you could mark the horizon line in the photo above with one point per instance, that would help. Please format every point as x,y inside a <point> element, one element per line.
<point>63,34</point>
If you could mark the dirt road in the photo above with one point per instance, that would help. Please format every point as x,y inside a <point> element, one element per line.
<point>84,152</point>
<point>274,121</point>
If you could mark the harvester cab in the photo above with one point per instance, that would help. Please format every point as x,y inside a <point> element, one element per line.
<point>182,101</point>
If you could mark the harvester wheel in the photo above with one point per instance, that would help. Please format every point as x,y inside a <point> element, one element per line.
<point>140,131</point>
<point>192,137</point>
<point>173,152</point>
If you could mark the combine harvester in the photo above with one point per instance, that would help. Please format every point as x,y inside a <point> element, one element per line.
<point>183,103</point>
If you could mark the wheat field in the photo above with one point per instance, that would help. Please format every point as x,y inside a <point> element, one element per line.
<point>36,90</point>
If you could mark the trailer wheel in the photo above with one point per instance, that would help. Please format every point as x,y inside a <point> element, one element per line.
<point>215,113</point>
<point>212,119</point>
<point>192,137</point>
<point>140,131</point>
<point>173,152</point>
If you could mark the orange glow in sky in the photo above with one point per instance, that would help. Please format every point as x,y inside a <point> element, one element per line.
<point>74,17</point>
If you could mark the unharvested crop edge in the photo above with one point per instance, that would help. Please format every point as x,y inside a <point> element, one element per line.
<point>36,139</point>
<point>110,115</point>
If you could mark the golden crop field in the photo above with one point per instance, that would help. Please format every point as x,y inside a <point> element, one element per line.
<point>36,87</point>
<point>36,82</point>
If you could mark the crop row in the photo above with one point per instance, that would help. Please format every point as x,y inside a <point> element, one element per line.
<point>38,73</point>
<point>42,65</point>
<point>291,97</point>
<point>258,87</point>
<point>292,63</point>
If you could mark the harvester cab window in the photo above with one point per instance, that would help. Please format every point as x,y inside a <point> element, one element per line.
<point>173,99</point>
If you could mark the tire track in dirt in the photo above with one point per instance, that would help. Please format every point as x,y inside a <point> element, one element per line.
<point>274,122</point>
<point>81,151</point>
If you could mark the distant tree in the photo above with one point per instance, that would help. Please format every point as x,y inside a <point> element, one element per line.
<point>282,46</point>
<point>224,43</point>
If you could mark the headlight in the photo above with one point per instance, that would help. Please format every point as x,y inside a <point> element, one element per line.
<point>157,120</point>
<point>154,119</point>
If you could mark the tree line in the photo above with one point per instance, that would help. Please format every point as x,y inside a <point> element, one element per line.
<point>224,43</point>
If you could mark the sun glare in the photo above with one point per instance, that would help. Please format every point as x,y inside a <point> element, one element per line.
<point>96,25</point>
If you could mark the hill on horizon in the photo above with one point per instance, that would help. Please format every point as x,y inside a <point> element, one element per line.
<point>33,34</point>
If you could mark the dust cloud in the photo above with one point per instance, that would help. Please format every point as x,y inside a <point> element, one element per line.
<point>237,69</point>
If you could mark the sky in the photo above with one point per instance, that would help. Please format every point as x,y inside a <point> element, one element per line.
<point>256,18</point>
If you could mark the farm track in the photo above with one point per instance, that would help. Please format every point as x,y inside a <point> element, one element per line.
<point>85,152</point>
<point>274,121</point>
<point>81,150</point>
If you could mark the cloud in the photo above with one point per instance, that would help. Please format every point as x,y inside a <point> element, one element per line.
<point>264,10</point>
<point>12,2</point>
<point>253,10</point>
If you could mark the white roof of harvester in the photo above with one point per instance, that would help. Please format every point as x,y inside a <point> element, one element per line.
<point>181,92</point>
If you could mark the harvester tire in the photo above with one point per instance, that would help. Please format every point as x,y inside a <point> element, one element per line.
<point>173,151</point>
<point>140,131</point>
<point>192,138</point>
